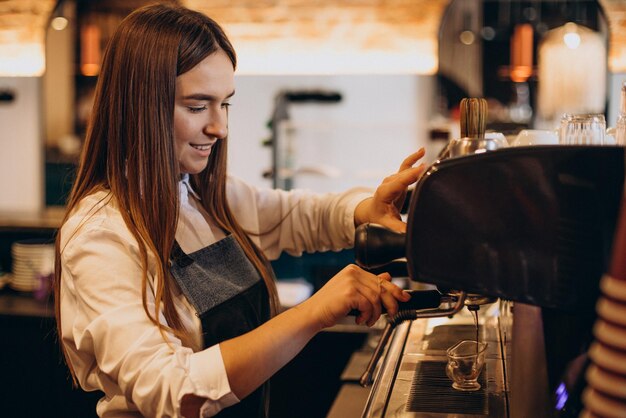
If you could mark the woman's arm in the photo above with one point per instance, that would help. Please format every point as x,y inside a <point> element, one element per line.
<point>254,357</point>
<point>295,221</point>
<point>302,221</point>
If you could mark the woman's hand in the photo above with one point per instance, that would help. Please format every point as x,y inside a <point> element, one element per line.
<point>355,288</point>
<point>384,207</point>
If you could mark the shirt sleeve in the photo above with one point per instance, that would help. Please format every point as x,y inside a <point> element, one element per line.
<point>111,343</point>
<point>295,221</point>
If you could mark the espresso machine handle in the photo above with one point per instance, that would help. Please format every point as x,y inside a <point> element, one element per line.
<point>376,245</point>
<point>420,299</point>
<point>457,303</point>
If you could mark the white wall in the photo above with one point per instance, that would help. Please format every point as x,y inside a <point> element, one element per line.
<point>59,83</point>
<point>21,147</point>
<point>381,120</point>
<point>615,89</point>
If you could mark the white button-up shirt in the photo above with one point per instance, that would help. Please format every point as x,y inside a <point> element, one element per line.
<point>110,341</point>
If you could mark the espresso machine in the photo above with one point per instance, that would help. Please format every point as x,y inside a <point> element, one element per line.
<point>525,232</point>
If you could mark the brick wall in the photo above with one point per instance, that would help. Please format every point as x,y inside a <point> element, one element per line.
<point>389,29</point>
<point>363,24</point>
<point>404,26</point>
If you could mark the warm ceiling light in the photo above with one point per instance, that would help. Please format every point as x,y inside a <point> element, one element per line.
<point>488,33</point>
<point>572,40</point>
<point>90,54</point>
<point>59,23</point>
<point>571,36</point>
<point>467,37</point>
<point>522,53</point>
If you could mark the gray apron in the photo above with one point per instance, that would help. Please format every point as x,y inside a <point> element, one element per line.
<point>230,298</point>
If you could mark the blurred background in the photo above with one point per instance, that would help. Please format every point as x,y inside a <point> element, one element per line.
<point>330,94</point>
<point>397,70</point>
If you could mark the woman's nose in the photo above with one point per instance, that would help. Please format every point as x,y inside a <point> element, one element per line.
<point>217,126</point>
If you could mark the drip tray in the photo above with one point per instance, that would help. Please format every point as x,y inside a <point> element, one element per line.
<point>431,391</point>
<point>445,336</point>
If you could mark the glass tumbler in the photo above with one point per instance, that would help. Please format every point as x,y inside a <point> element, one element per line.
<point>620,130</point>
<point>465,362</point>
<point>583,129</point>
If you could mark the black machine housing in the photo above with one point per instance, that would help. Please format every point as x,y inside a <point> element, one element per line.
<point>528,224</point>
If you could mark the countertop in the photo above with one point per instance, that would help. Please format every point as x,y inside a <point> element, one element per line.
<point>48,218</point>
<point>13,303</point>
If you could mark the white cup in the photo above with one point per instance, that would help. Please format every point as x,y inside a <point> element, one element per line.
<point>533,137</point>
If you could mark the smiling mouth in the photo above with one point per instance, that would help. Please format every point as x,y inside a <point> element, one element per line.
<point>202,147</point>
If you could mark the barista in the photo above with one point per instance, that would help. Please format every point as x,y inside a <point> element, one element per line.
<point>165,299</point>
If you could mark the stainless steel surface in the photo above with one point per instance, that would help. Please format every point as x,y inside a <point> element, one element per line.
<point>458,147</point>
<point>367,377</point>
<point>402,316</point>
<point>472,300</point>
<point>529,385</point>
<point>384,380</point>
<point>427,341</point>
<point>466,146</point>
<point>349,402</point>
<point>476,301</point>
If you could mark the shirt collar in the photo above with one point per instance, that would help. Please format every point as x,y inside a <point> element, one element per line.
<point>185,181</point>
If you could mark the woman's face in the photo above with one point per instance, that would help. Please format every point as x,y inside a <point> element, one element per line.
<point>201,110</point>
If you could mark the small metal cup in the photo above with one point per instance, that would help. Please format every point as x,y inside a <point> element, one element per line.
<point>466,146</point>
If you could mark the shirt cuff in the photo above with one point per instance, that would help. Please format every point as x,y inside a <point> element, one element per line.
<point>356,197</point>
<point>208,376</point>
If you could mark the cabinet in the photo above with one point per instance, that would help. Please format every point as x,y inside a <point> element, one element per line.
<point>34,380</point>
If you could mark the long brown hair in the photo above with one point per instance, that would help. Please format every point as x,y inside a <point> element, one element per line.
<point>129,146</point>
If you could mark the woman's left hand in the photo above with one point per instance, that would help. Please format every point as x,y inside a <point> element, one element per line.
<point>384,207</point>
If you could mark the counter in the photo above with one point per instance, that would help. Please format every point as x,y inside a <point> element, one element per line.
<point>31,362</point>
<point>35,381</point>
<point>20,304</point>
<point>49,218</point>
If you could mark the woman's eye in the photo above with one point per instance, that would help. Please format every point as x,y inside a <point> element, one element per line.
<point>196,109</point>
<point>225,105</point>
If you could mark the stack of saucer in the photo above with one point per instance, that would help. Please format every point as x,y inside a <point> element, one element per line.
<point>605,394</point>
<point>31,259</point>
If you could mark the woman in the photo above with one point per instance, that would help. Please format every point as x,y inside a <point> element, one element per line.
<point>165,300</point>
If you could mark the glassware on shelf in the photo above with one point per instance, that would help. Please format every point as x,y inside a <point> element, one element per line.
<point>583,129</point>
<point>620,127</point>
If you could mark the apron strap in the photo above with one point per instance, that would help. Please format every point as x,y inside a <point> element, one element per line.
<point>179,257</point>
